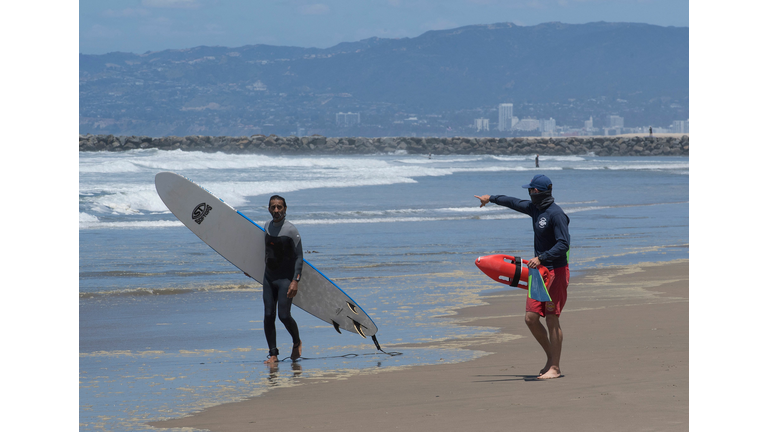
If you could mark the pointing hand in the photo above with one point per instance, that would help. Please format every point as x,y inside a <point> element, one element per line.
<point>485,199</point>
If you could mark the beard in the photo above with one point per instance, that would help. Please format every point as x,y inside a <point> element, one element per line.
<point>278,216</point>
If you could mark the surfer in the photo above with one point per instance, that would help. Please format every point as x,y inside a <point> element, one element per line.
<point>284,262</point>
<point>551,243</point>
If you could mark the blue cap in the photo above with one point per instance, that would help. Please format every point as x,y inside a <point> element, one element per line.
<point>540,182</point>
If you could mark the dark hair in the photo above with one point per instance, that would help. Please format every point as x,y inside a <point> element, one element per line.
<point>274,197</point>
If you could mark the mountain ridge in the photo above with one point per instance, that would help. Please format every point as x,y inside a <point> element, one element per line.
<point>440,70</point>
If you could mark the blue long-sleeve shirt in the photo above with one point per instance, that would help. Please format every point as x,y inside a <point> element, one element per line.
<point>551,240</point>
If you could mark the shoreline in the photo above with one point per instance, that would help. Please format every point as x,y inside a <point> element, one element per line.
<point>625,361</point>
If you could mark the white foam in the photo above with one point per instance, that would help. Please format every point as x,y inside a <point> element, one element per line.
<point>397,212</point>
<point>635,167</point>
<point>85,218</point>
<point>437,160</point>
<point>641,166</point>
<point>542,158</point>
<point>128,225</point>
<point>473,209</point>
<point>373,220</point>
<point>502,168</point>
<point>122,183</point>
<point>125,201</point>
<point>109,166</point>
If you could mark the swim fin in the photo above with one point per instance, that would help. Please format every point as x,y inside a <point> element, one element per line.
<point>537,290</point>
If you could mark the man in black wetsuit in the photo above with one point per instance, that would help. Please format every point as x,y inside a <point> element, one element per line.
<point>284,261</point>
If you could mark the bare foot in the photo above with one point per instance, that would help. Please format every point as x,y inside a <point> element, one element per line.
<point>271,360</point>
<point>296,353</point>
<point>546,368</point>
<point>553,372</point>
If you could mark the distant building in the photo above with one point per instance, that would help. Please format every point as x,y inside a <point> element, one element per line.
<point>506,119</point>
<point>680,126</point>
<point>347,119</point>
<point>527,124</point>
<point>481,124</point>
<point>589,127</point>
<point>615,125</point>
<point>547,125</point>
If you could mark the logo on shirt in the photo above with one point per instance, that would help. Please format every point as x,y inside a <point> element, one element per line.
<point>200,212</point>
<point>542,222</point>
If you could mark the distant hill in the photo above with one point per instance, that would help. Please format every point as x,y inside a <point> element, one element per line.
<point>458,69</point>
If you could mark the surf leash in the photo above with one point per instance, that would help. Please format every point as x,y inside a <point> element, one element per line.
<point>378,347</point>
<point>352,355</point>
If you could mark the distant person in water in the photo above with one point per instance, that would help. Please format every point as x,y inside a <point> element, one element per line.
<point>284,261</point>
<point>537,161</point>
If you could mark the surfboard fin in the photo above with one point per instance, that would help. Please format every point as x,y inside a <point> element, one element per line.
<point>336,326</point>
<point>352,307</point>
<point>358,328</point>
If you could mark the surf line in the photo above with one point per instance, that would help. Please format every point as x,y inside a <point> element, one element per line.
<point>350,355</point>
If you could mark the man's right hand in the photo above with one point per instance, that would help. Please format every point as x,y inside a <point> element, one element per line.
<point>247,274</point>
<point>485,199</point>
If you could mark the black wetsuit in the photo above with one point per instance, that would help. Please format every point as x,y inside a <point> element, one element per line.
<point>284,261</point>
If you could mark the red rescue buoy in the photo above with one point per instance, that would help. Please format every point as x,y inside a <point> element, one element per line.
<point>508,270</point>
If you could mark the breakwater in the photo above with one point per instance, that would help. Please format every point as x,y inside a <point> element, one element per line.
<point>260,144</point>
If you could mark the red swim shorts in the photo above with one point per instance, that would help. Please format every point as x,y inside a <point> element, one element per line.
<point>558,290</point>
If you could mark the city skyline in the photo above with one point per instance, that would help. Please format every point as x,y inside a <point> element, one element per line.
<point>531,126</point>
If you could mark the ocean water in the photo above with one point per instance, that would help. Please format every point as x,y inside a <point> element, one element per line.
<point>169,327</point>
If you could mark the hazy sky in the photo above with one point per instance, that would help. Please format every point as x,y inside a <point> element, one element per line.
<point>152,25</point>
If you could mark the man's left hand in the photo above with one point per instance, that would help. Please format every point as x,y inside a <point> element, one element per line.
<point>534,262</point>
<point>293,289</point>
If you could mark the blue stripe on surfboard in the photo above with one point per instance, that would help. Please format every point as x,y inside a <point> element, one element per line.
<point>310,264</point>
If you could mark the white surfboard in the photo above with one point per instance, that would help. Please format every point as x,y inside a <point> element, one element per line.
<point>241,241</point>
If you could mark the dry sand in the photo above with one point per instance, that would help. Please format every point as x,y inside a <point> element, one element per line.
<point>625,367</point>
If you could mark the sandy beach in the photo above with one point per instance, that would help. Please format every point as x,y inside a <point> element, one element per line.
<point>624,364</point>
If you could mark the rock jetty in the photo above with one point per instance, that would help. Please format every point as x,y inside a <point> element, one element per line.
<point>316,144</point>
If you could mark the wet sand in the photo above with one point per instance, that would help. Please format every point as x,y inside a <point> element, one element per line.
<point>624,363</point>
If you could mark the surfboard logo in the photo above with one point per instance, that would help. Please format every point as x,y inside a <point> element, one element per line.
<point>200,212</point>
